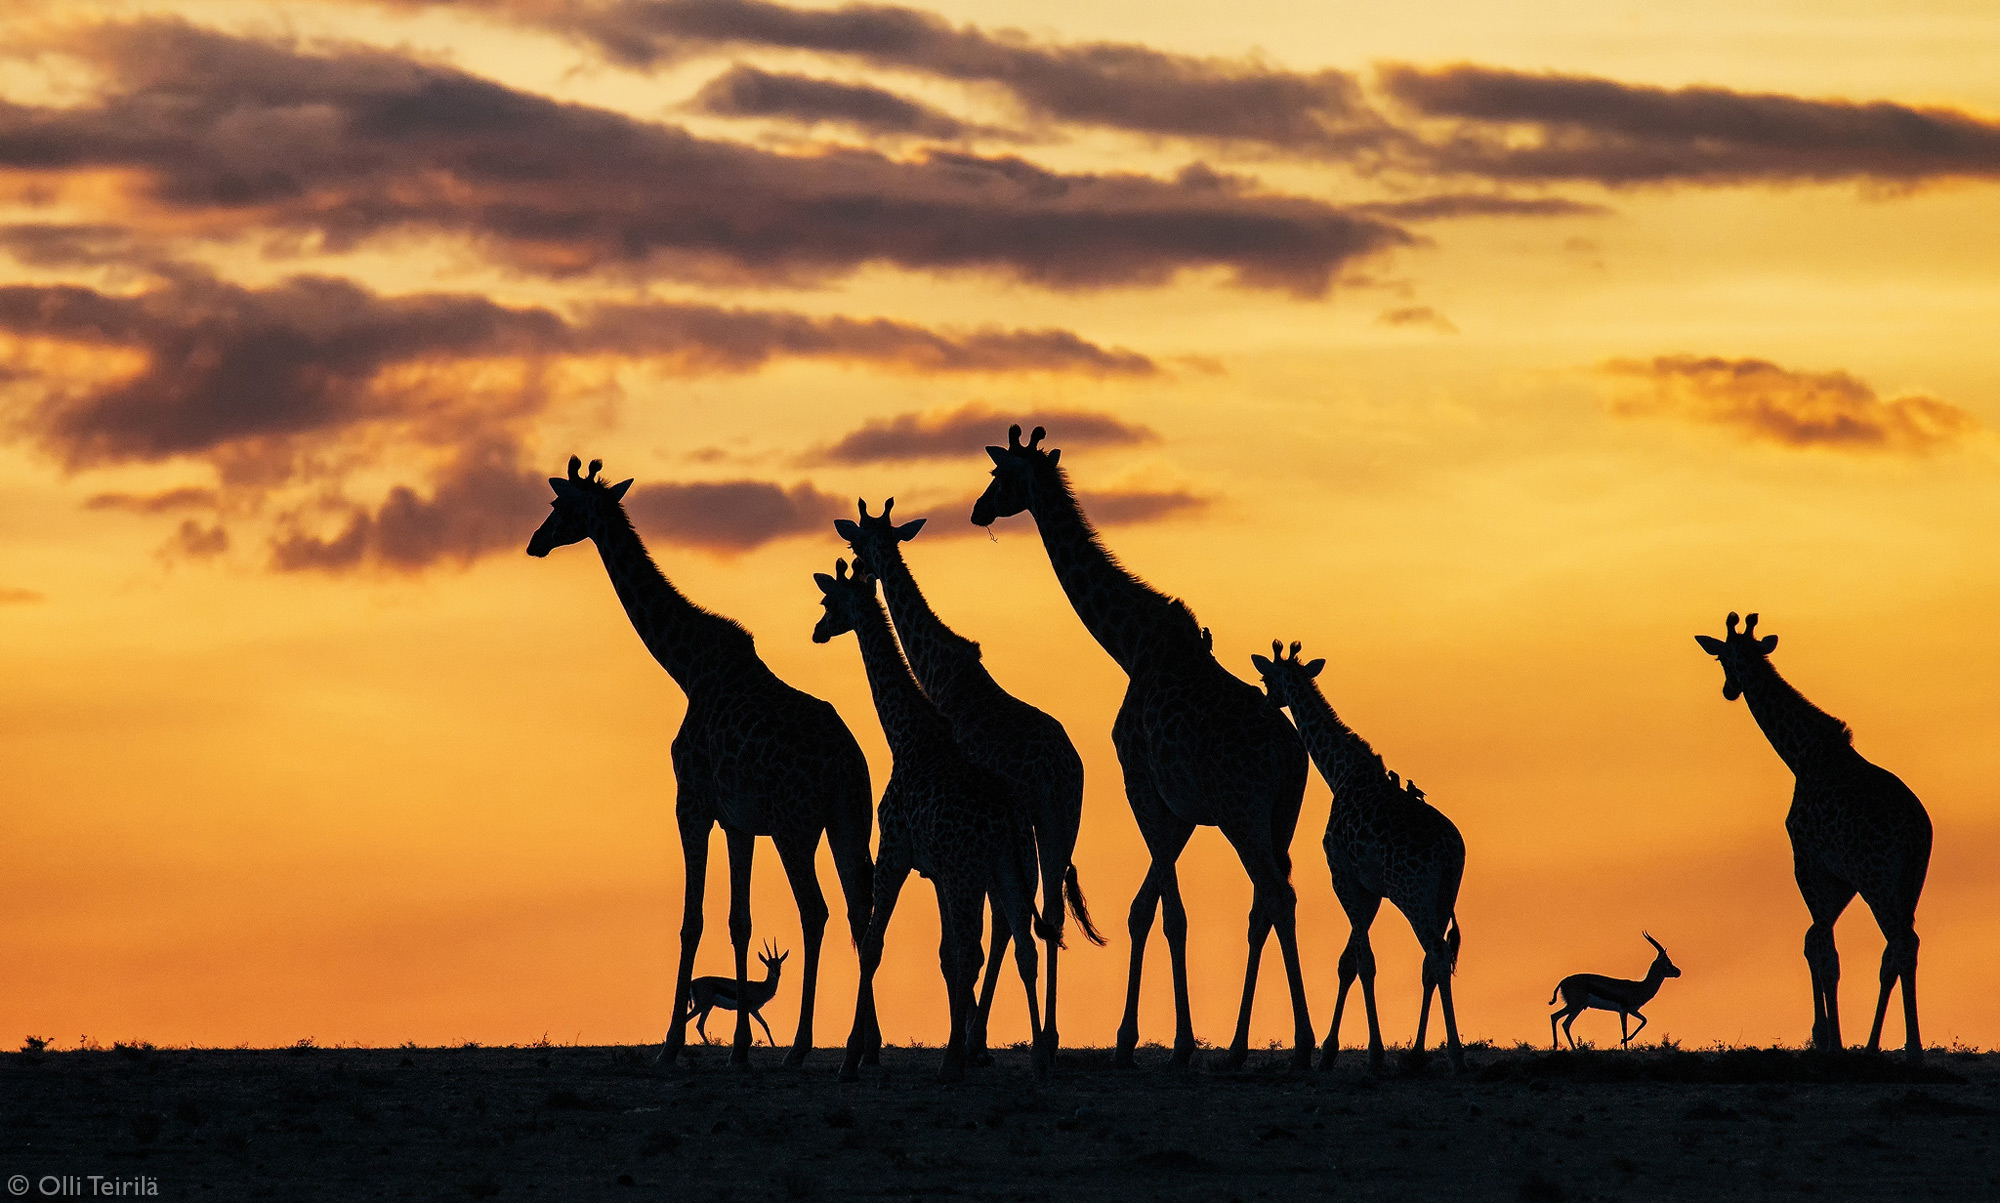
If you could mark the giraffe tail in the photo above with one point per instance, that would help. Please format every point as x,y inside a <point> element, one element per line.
<point>1077,908</point>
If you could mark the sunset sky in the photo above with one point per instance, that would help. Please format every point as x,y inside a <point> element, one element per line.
<point>1493,351</point>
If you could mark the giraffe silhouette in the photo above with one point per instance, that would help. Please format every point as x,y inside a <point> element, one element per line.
<point>753,754</point>
<point>961,825</point>
<point>1382,841</point>
<point>999,732</point>
<point>1855,827</point>
<point>1197,745</point>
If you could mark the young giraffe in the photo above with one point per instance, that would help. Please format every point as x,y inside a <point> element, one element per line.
<point>1854,827</point>
<point>1197,745</point>
<point>956,823</point>
<point>1382,841</point>
<point>753,754</point>
<point>1000,732</point>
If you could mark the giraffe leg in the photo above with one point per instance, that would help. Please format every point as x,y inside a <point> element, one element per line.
<point>798,858</point>
<point>1173,925</point>
<point>1015,898</point>
<point>1378,1057</point>
<point>892,869</point>
<point>1260,931</point>
<point>996,958</point>
<point>847,835</point>
<point>1165,837</point>
<point>1361,907</point>
<point>741,847</point>
<point>960,909</point>
<point>1442,974</point>
<point>1899,963</point>
<point>1826,896</point>
<point>694,824</point>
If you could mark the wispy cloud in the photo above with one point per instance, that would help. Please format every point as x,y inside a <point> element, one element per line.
<point>745,91</point>
<point>1513,125</point>
<point>356,142</point>
<point>731,515</point>
<point>941,434</point>
<point>1763,401</point>
<point>13,596</point>
<point>1416,315</point>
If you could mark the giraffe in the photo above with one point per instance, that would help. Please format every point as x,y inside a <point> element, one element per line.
<point>1382,841</point>
<point>753,754</point>
<point>999,732</point>
<point>1855,827</point>
<point>961,825</point>
<point>1197,745</point>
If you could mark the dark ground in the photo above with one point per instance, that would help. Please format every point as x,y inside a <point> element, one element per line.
<point>603,1123</point>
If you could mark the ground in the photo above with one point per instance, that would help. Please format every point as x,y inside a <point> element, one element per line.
<point>606,1123</point>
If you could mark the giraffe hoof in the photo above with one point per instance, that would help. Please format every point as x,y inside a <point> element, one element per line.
<point>848,1073</point>
<point>1302,1057</point>
<point>795,1059</point>
<point>1236,1058</point>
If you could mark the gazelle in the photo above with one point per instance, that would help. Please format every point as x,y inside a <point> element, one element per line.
<point>707,993</point>
<point>1581,992</point>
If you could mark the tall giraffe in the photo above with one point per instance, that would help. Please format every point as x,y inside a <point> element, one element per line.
<point>1382,841</point>
<point>960,825</point>
<point>1855,827</point>
<point>1197,745</point>
<point>999,732</point>
<point>753,754</point>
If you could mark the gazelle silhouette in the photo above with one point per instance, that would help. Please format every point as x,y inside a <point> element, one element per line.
<point>1581,992</point>
<point>707,993</point>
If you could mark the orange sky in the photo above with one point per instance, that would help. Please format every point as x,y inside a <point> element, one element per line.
<point>1493,386</point>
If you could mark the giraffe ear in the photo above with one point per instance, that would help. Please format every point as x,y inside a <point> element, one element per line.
<point>824,582</point>
<point>1262,665</point>
<point>908,530</point>
<point>618,490</point>
<point>1055,457</point>
<point>998,454</point>
<point>1312,669</point>
<point>1710,645</point>
<point>562,487</point>
<point>846,530</point>
<point>1767,644</point>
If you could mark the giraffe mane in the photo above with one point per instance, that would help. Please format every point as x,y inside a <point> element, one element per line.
<point>731,629</point>
<point>1173,605</point>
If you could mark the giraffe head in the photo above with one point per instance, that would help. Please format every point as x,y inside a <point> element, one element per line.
<point>578,498</point>
<point>875,536</point>
<point>1739,652</point>
<point>844,597</point>
<point>1283,675</point>
<point>1663,965</point>
<point>1015,470</point>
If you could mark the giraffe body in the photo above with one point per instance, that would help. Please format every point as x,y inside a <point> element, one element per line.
<point>1382,841</point>
<point>1196,744</point>
<point>1022,744</point>
<point>951,820</point>
<point>1855,828</point>
<point>753,755</point>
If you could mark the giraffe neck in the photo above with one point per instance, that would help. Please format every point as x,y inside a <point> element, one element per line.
<point>696,647</point>
<point>1129,618</point>
<point>946,663</point>
<point>912,724</point>
<point>1803,735</point>
<point>1349,765</point>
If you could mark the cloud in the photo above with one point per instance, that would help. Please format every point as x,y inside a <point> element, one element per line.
<point>225,365</point>
<point>1515,125</point>
<point>1104,508</point>
<point>11,596</point>
<point>967,429</point>
<point>225,133</point>
<point>1117,85</point>
<point>1763,401</point>
<point>155,503</point>
<point>483,502</point>
<point>197,542</point>
<point>731,515</point>
<point>1457,205</point>
<point>1416,315</point>
<point>744,91</point>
